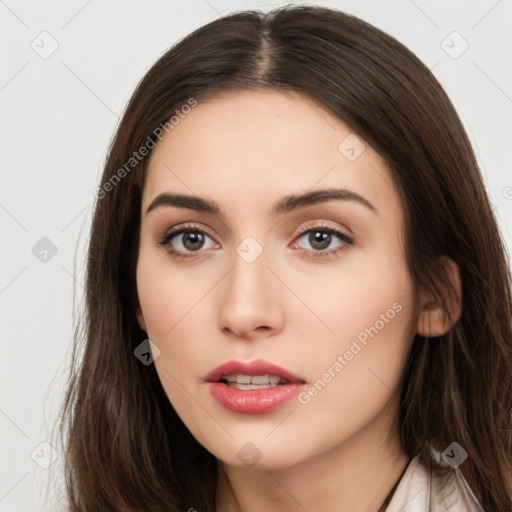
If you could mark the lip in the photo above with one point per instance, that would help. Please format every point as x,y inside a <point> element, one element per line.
<point>253,401</point>
<point>257,367</point>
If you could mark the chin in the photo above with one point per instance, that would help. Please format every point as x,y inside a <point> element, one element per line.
<point>260,456</point>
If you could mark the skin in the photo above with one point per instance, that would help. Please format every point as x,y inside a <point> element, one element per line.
<point>245,150</point>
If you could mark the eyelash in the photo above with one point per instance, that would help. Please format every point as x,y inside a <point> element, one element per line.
<point>191,228</point>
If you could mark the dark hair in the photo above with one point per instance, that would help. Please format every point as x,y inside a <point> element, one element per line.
<point>125,447</point>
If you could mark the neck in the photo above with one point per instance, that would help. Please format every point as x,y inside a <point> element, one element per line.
<point>357,475</point>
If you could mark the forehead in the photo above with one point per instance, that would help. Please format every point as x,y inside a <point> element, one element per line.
<point>247,148</point>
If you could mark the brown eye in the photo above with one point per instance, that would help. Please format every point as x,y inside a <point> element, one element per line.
<point>185,240</point>
<point>193,240</point>
<point>320,238</point>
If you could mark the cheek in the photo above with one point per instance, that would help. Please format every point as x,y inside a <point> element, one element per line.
<point>369,309</point>
<point>372,341</point>
<point>171,304</point>
<point>369,290</point>
<point>168,295</point>
<point>357,374</point>
<point>175,302</point>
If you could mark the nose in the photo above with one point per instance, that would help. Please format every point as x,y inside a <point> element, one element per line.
<point>252,299</point>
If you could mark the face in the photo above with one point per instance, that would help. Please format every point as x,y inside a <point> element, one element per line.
<point>318,287</point>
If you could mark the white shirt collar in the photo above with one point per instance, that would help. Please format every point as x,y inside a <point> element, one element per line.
<point>421,490</point>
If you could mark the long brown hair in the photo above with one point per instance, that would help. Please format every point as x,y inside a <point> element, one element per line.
<point>125,447</point>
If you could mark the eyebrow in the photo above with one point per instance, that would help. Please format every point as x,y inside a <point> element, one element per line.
<point>284,205</point>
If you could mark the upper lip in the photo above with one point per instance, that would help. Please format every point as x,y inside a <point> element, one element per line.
<point>257,367</point>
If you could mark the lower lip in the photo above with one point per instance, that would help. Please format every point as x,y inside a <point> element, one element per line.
<point>253,401</point>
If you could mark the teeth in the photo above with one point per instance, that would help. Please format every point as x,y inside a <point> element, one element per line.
<point>251,386</point>
<point>238,378</point>
<point>235,377</point>
<point>260,379</point>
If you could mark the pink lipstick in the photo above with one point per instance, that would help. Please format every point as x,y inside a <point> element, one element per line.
<point>254,387</point>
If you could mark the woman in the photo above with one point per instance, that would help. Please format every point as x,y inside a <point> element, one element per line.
<point>297,293</point>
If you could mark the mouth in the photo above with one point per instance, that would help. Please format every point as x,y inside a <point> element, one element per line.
<point>246,382</point>
<point>256,387</point>
<point>258,374</point>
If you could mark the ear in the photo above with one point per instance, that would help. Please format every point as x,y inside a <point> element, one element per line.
<point>433,319</point>
<point>140,319</point>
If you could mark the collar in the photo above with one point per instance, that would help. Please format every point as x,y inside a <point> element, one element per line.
<point>421,490</point>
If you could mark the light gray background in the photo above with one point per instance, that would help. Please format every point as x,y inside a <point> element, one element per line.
<point>59,114</point>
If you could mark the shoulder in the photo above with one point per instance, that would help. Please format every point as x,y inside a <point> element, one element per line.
<point>421,490</point>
